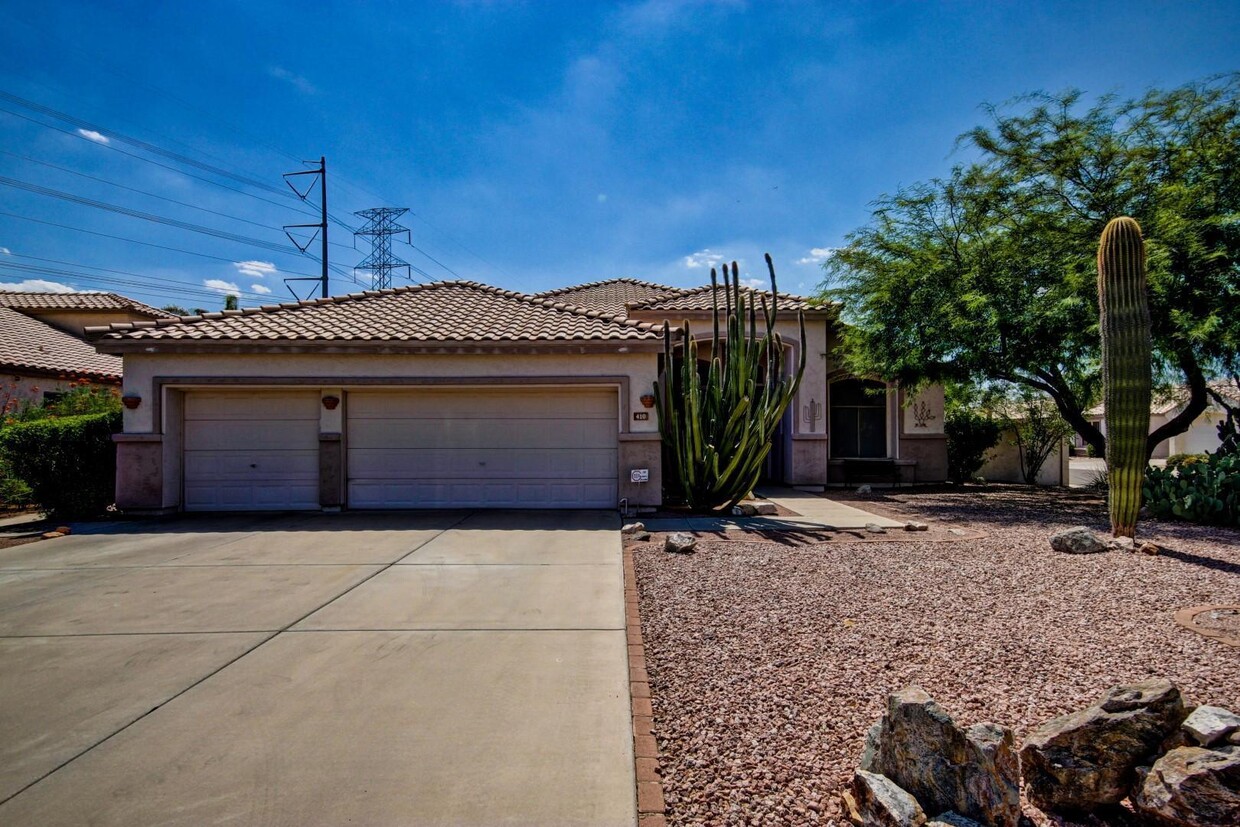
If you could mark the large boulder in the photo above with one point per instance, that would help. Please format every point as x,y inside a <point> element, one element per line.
<point>1192,787</point>
<point>1079,540</point>
<point>973,772</point>
<point>1088,759</point>
<point>877,801</point>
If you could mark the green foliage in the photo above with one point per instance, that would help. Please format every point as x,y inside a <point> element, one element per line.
<point>1124,310</point>
<point>83,399</point>
<point>717,424</point>
<point>69,462</point>
<point>1180,460</point>
<point>230,302</point>
<point>14,493</point>
<point>969,436</point>
<point>1205,492</point>
<point>989,273</point>
<point>1037,431</point>
<point>175,309</point>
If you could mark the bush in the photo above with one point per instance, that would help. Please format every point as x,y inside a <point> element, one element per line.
<point>69,463</point>
<point>78,400</point>
<point>13,492</point>
<point>1199,491</point>
<point>1180,460</point>
<point>969,436</point>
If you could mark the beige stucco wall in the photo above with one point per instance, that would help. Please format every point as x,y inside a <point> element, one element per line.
<point>1003,463</point>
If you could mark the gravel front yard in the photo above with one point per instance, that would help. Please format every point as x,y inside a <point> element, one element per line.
<point>768,661</point>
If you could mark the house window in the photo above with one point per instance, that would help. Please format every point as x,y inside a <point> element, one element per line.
<point>858,418</point>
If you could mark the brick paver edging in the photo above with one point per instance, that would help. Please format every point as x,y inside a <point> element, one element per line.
<point>650,804</point>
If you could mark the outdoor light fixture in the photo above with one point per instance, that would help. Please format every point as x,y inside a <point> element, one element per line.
<point>330,402</point>
<point>647,400</point>
<point>131,400</point>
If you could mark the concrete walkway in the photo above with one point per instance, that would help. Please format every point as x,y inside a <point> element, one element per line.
<point>377,669</point>
<point>816,513</point>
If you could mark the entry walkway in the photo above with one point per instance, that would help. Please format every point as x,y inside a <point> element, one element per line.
<point>816,513</point>
<point>377,669</point>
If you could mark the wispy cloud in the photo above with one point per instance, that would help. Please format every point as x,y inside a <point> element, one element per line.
<point>221,285</point>
<point>304,86</point>
<point>817,255</point>
<point>36,286</point>
<point>702,259</point>
<point>755,284</point>
<point>255,269</point>
<point>92,135</point>
<point>5,251</point>
<point>260,288</point>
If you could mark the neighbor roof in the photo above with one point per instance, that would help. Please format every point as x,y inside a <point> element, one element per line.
<point>27,344</point>
<point>79,301</point>
<point>699,299</point>
<point>447,311</point>
<point>1177,396</point>
<point>611,296</point>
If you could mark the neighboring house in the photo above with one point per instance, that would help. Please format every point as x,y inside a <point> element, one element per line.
<point>458,394</point>
<point>1202,434</point>
<point>43,351</point>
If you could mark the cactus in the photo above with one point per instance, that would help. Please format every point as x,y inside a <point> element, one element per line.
<point>1126,367</point>
<point>717,429</point>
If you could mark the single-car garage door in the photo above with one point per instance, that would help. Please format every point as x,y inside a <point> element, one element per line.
<point>480,448</point>
<point>251,450</point>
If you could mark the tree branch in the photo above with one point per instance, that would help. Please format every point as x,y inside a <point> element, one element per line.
<point>1197,402</point>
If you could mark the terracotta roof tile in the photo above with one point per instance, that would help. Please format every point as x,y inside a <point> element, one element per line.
<point>610,296</point>
<point>28,344</point>
<point>699,298</point>
<point>449,311</point>
<point>78,301</point>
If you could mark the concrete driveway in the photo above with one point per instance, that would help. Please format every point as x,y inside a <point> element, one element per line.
<point>377,669</point>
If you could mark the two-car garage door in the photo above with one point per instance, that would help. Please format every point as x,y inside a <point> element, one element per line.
<point>423,448</point>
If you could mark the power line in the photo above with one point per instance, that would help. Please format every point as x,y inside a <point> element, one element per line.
<point>173,288</point>
<point>148,277</point>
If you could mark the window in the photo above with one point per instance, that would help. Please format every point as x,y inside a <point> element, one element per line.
<point>858,418</point>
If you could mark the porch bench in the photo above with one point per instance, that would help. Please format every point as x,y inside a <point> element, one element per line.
<point>871,470</point>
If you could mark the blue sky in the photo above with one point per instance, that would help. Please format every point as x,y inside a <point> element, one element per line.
<point>536,144</point>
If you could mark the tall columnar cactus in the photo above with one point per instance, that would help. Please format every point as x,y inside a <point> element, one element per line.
<point>1126,367</point>
<point>717,425</point>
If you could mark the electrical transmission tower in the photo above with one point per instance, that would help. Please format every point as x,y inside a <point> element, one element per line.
<point>320,229</point>
<point>381,226</point>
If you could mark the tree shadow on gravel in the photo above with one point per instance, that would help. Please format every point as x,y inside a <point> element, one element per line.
<point>1225,566</point>
<point>996,504</point>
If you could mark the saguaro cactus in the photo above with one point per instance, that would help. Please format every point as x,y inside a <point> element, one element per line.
<point>1126,367</point>
<point>717,427</point>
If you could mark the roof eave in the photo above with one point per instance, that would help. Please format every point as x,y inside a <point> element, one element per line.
<point>120,347</point>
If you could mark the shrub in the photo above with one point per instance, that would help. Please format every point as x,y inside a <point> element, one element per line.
<point>969,436</point>
<point>1203,491</point>
<point>13,492</point>
<point>69,463</point>
<point>79,400</point>
<point>1180,460</point>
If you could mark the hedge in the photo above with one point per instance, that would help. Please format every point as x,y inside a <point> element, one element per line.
<point>69,463</point>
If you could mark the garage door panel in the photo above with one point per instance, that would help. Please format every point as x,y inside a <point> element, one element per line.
<point>472,448</point>
<point>251,451</point>
<point>482,433</point>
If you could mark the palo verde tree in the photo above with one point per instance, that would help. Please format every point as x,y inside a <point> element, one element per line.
<point>989,275</point>
<point>717,425</point>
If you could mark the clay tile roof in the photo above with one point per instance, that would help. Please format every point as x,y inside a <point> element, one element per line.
<point>78,301</point>
<point>29,344</point>
<point>1173,398</point>
<point>447,311</point>
<point>610,296</point>
<point>699,299</point>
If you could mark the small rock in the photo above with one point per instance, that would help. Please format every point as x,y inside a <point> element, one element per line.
<point>876,801</point>
<point>1079,540</point>
<point>916,527</point>
<point>1191,787</point>
<point>765,509</point>
<point>1122,544</point>
<point>1234,738</point>
<point>875,528</point>
<point>865,489</point>
<point>870,753</point>
<point>1149,548</point>
<point>680,543</point>
<point>633,528</point>
<point>63,529</point>
<point>1088,759</point>
<point>959,532</point>
<point>952,820</point>
<point>1210,725</point>
<point>51,535</point>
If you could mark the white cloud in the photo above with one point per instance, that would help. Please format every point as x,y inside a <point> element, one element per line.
<point>222,286</point>
<point>304,86</point>
<point>703,258</point>
<point>602,198</point>
<point>255,269</point>
<point>260,288</point>
<point>92,135</point>
<point>5,251</point>
<point>817,255</point>
<point>755,284</point>
<point>36,286</point>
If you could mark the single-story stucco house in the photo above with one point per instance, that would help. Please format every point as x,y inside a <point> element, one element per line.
<point>1202,434</point>
<point>43,350</point>
<point>459,394</point>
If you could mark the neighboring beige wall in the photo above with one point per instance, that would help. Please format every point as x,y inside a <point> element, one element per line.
<point>1003,463</point>
<point>1201,436</point>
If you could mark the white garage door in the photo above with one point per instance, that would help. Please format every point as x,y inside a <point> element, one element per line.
<point>471,448</point>
<point>251,450</point>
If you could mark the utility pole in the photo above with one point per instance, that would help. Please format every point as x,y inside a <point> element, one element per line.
<point>381,226</point>
<point>320,229</point>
